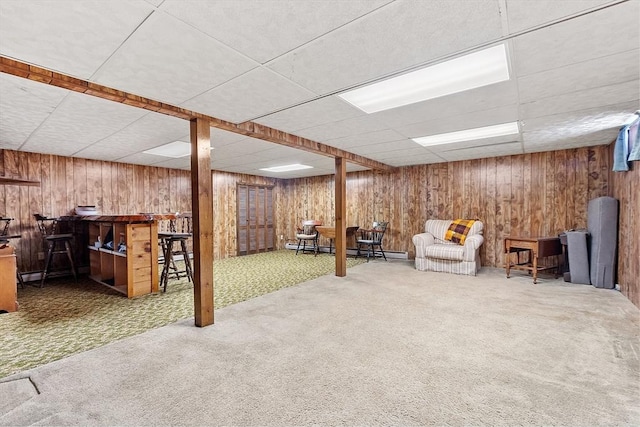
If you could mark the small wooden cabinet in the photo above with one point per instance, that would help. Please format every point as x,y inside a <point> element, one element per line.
<point>132,271</point>
<point>8,286</point>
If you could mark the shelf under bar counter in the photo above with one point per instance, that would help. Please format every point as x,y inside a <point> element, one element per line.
<point>122,250</point>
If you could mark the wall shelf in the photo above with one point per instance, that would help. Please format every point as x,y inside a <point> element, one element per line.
<point>17,181</point>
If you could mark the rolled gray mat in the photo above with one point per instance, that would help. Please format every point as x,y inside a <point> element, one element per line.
<point>578,253</point>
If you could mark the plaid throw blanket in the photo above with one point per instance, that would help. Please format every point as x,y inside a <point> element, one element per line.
<point>457,232</point>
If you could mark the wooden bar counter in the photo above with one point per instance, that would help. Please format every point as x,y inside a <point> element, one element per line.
<point>123,251</point>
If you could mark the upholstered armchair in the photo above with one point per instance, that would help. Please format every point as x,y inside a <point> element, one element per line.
<point>434,252</point>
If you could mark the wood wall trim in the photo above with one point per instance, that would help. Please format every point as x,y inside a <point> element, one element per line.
<point>254,130</point>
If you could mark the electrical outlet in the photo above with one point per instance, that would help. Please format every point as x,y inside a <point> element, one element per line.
<point>282,237</point>
<point>40,256</point>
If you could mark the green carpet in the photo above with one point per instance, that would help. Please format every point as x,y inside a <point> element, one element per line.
<point>65,318</point>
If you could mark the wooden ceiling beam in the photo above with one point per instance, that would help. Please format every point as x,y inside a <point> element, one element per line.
<point>252,129</point>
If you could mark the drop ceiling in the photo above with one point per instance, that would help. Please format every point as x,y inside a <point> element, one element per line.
<point>575,73</point>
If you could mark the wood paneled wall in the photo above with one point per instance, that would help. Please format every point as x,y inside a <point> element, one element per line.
<point>532,194</point>
<point>68,182</point>
<point>539,194</point>
<point>626,188</point>
<point>113,188</point>
<point>225,186</point>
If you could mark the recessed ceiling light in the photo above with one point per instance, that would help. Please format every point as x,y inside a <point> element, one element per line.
<point>287,168</point>
<point>471,71</point>
<point>173,149</point>
<point>469,134</point>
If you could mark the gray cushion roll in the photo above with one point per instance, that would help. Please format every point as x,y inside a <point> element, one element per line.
<point>602,223</point>
<point>578,256</point>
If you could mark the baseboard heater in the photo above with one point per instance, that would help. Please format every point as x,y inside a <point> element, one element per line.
<point>352,251</point>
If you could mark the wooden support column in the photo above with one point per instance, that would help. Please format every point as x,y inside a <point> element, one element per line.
<point>202,206</point>
<point>341,213</point>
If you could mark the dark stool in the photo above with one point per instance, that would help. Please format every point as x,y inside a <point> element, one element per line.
<point>56,244</point>
<point>168,241</point>
<point>180,231</point>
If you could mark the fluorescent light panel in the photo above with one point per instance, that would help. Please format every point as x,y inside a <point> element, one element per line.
<point>469,134</point>
<point>175,149</point>
<point>467,72</point>
<point>287,168</point>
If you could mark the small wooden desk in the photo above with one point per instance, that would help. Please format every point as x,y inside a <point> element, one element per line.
<point>538,247</point>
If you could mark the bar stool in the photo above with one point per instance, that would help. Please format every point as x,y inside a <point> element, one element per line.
<point>5,237</point>
<point>56,244</point>
<point>179,232</point>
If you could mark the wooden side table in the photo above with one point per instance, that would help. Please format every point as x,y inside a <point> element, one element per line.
<point>538,247</point>
<point>330,233</point>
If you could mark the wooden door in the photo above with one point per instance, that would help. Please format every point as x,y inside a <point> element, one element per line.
<point>255,219</point>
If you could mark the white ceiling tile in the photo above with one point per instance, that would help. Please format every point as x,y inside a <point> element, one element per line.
<point>263,30</point>
<point>390,39</point>
<point>583,99</point>
<point>507,149</point>
<point>525,14</point>
<point>415,159</point>
<point>138,159</point>
<point>475,144</point>
<point>311,114</point>
<point>221,137</point>
<point>168,60</point>
<point>602,33</point>
<point>80,120</point>
<point>248,145</point>
<point>595,73</point>
<point>593,126</point>
<point>150,131</point>
<point>256,93</point>
<point>453,123</point>
<point>475,100</point>
<point>68,36</point>
<point>281,153</point>
<point>24,104</point>
<point>366,139</point>
<point>383,148</point>
<point>535,142</point>
<point>577,80</point>
<point>179,163</point>
<point>342,128</point>
<point>385,156</point>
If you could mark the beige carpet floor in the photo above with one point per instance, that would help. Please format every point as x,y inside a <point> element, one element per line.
<point>66,317</point>
<point>385,346</point>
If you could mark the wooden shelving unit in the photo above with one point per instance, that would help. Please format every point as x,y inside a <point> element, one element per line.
<point>132,273</point>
